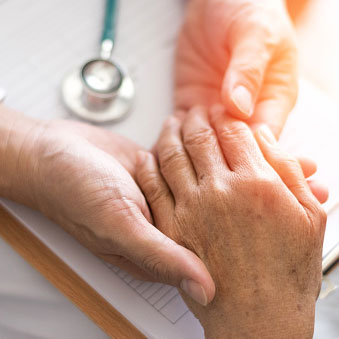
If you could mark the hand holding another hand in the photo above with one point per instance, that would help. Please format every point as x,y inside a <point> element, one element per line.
<point>81,177</point>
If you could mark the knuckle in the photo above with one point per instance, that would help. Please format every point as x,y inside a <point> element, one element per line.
<point>188,200</point>
<point>253,74</point>
<point>155,192</point>
<point>323,217</point>
<point>289,164</point>
<point>233,130</point>
<point>322,220</point>
<point>199,137</point>
<point>170,156</point>
<point>260,187</point>
<point>214,195</point>
<point>122,206</point>
<point>319,215</point>
<point>218,186</point>
<point>262,183</point>
<point>154,265</point>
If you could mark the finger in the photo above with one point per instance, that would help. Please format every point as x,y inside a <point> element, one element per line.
<point>278,94</point>
<point>155,189</point>
<point>168,262</point>
<point>250,55</point>
<point>286,166</point>
<point>308,166</point>
<point>160,256</point>
<point>174,163</point>
<point>236,141</point>
<point>201,144</point>
<point>179,114</point>
<point>319,190</point>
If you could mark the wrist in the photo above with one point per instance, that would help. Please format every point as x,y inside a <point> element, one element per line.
<point>18,138</point>
<point>276,320</point>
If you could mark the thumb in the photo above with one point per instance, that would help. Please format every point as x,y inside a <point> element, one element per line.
<point>166,261</point>
<point>245,73</point>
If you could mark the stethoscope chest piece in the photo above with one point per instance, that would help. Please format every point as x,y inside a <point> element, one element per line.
<point>100,91</point>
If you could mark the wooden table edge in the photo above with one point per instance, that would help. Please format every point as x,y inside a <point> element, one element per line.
<point>57,272</point>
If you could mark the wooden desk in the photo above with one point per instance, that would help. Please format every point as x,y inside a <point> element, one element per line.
<point>65,279</point>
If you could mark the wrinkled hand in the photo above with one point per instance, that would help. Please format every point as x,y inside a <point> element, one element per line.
<point>82,177</point>
<point>239,53</point>
<point>244,207</point>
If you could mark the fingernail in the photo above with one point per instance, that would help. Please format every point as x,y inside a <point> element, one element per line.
<point>194,290</point>
<point>242,98</point>
<point>266,134</point>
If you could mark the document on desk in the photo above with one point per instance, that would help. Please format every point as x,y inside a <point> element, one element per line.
<point>49,38</point>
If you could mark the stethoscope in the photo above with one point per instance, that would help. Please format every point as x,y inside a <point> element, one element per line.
<point>101,90</point>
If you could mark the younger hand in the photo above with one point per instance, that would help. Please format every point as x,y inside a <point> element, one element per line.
<point>239,53</point>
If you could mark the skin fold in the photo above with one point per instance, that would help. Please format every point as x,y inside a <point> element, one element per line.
<point>244,207</point>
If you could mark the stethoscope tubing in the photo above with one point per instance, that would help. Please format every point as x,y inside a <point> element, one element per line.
<point>110,21</point>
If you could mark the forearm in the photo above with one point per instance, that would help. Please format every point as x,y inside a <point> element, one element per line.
<point>18,135</point>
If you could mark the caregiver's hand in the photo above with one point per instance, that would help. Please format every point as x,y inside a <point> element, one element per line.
<point>248,213</point>
<point>241,53</point>
<point>76,175</point>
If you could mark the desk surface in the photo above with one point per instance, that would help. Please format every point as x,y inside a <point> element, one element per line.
<point>63,278</point>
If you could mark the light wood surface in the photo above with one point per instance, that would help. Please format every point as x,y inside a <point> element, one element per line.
<point>65,279</point>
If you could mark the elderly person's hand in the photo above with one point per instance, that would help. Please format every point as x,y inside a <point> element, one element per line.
<point>241,53</point>
<point>244,207</point>
<point>82,177</point>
